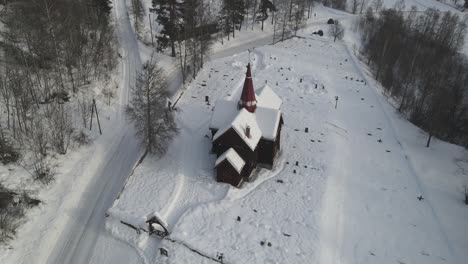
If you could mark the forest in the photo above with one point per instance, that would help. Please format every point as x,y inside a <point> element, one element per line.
<point>417,58</point>
<point>50,51</point>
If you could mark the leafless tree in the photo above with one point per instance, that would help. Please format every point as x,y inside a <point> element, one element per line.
<point>336,30</point>
<point>363,5</point>
<point>61,128</point>
<point>148,109</point>
<point>138,13</point>
<point>355,6</point>
<point>416,58</point>
<point>377,4</point>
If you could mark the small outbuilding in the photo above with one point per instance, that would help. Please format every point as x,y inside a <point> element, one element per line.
<point>157,225</point>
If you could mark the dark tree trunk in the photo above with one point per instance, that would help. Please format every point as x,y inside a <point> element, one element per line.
<point>173,52</point>
<point>429,140</point>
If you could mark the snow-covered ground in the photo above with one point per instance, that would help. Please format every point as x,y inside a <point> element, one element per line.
<point>351,198</point>
<point>65,227</point>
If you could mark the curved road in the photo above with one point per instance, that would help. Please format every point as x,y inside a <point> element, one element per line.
<point>86,224</point>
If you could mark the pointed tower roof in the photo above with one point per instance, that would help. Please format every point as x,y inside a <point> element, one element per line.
<point>247,99</point>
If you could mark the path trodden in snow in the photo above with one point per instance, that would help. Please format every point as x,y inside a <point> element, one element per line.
<point>342,192</point>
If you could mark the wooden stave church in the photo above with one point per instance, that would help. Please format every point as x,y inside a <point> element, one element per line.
<point>247,133</point>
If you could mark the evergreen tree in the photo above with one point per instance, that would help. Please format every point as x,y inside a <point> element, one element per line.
<point>234,10</point>
<point>262,13</point>
<point>103,7</point>
<point>168,13</point>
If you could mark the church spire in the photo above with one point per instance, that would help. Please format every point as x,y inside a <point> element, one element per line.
<point>247,99</point>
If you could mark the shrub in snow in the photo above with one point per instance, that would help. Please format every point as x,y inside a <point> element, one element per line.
<point>43,168</point>
<point>9,217</point>
<point>466,194</point>
<point>331,21</point>
<point>61,130</point>
<point>82,138</point>
<point>12,207</point>
<point>8,154</point>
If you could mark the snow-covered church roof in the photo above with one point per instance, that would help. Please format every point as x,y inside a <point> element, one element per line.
<point>267,98</point>
<point>240,123</point>
<point>233,158</point>
<point>265,115</point>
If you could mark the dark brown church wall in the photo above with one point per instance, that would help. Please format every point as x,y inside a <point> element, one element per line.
<point>226,173</point>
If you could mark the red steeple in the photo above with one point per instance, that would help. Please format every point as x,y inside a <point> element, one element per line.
<point>247,99</point>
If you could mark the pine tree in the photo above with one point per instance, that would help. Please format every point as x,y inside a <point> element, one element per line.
<point>103,7</point>
<point>234,10</point>
<point>168,13</point>
<point>262,13</point>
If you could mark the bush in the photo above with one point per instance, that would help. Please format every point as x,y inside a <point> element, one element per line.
<point>44,170</point>
<point>466,194</point>
<point>82,138</point>
<point>8,154</point>
<point>12,207</point>
<point>319,32</point>
<point>331,21</point>
<point>9,222</point>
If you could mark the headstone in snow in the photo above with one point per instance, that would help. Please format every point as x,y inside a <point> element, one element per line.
<point>466,194</point>
<point>163,252</point>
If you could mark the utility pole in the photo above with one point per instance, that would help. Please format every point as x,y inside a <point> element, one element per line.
<point>94,109</point>
<point>151,10</point>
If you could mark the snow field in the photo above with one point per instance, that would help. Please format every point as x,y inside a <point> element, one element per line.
<point>358,204</point>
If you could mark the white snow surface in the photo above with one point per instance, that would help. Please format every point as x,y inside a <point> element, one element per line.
<point>268,120</point>
<point>351,198</point>
<point>233,158</point>
<point>224,112</point>
<point>355,202</point>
